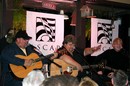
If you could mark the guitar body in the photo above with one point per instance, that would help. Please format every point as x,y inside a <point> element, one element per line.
<point>54,70</point>
<point>21,71</point>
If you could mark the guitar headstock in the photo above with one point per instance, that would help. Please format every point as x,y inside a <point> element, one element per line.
<point>102,64</point>
<point>62,51</point>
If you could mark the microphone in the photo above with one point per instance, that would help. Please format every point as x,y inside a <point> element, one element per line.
<point>76,50</point>
<point>36,49</point>
<point>44,57</point>
<point>49,55</point>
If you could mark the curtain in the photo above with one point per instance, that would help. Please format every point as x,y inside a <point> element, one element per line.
<point>6,16</point>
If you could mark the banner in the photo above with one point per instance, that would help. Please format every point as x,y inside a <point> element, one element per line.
<point>103,32</point>
<point>46,30</point>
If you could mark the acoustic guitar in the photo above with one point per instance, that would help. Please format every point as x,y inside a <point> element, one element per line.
<point>22,71</point>
<point>65,68</point>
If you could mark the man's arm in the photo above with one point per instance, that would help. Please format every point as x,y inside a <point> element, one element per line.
<point>88,51</point>
<point>71,61</point>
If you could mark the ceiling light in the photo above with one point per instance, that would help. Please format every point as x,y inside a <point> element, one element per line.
<point>65,16</point>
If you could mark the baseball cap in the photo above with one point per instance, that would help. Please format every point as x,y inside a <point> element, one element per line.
<point>22,34</point>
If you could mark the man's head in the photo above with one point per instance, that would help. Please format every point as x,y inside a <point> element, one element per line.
<point>69,38</point>
<point>34,78</point>
<point>22,34</point>
<point>119,78</point>
<point>61,80</point>
<point>69,42</point>
<point>117,44</point>
<point>22,38</point>
<point>87,81</point>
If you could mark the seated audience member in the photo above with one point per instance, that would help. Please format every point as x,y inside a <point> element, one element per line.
<point>61,80</point>
<point>119,78</point>
<point>86,81</point>
<point>34,78</point>
<point>4,41</point>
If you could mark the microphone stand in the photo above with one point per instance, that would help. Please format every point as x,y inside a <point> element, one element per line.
<point>85,60</point>
<point>47,57</point>
<point>57,65</point>
<point>51,61</point>
<point>91,69</point>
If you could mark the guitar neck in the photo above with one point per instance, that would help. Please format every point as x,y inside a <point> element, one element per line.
<point>90,66</point>
<point>43,57</point>
<point>87,67</point>
<point>109,68</point>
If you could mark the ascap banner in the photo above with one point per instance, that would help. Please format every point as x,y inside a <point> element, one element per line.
<point>103,32</point>
<point>46,30</point>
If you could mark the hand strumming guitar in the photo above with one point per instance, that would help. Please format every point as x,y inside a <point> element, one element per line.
<point>79,67</point>
<point>28,62</point>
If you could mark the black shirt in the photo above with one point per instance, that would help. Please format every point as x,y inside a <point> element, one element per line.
<point>116,60</point>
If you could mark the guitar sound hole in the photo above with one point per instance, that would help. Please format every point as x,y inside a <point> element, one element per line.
<point>67,73</point>
<point>24,67</point>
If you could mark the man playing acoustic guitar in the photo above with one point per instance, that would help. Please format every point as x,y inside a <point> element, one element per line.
<point>75,56</point>
<point>17,59</point>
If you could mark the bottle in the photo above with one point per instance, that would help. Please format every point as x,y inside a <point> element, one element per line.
<point>45,70</point>
<point>68,70</point>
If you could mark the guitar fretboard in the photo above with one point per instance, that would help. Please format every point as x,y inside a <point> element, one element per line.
<point>43,57</point>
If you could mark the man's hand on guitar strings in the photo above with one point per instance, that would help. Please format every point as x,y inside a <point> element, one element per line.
<point>79,67</point>
<point>100,73</point>
<point>28,62</point>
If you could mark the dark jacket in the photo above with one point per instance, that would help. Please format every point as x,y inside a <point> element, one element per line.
<point>8,57</point>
